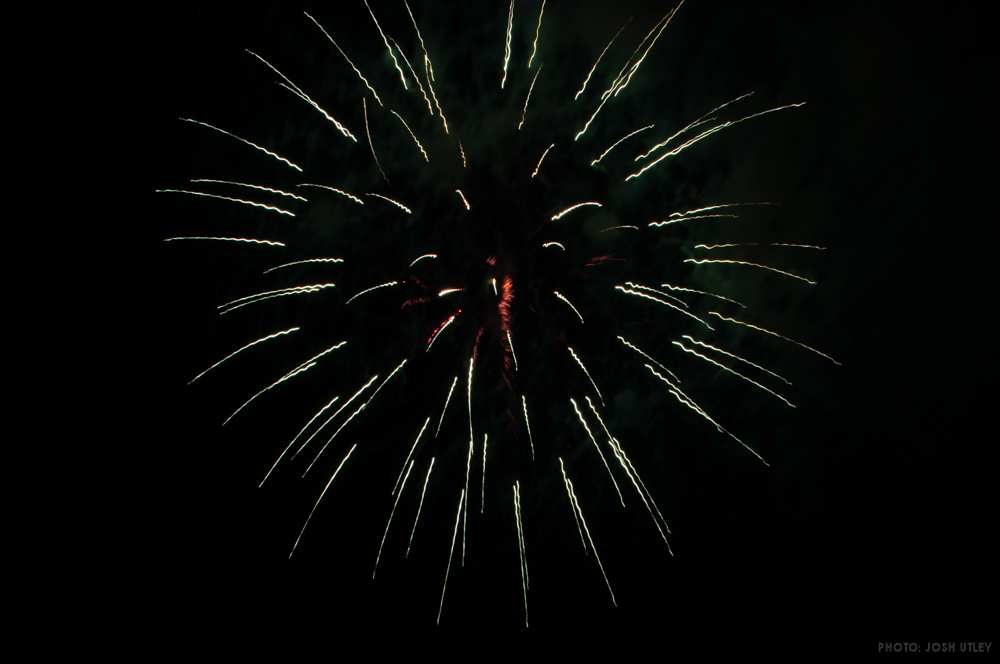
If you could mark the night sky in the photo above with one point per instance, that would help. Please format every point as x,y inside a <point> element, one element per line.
<point>872,522</point>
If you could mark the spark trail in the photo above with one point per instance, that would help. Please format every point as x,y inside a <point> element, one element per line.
<point>568,303</point>
<point>465,201</point>
<point>420,507</point>
<point>482,495</point>
<point>619,142</point>
<point>281,456</point>
<point>246,240</point>
<point>519,532</point>
<point>538,29</point>
<point>597,447</point>
<point>578,511</point>
<point>409,455</point>
<point>389,522</point>
<point>647,296</point>
<point>239,350</point>
<point>465,508</point>
<point>506,51</point>
<point>331,418</point>
<point>699,121</point>
<point>527,425</point>
<point>257,187</point>
<point>774,334</point>
<point>444,410</point>
<point>576,206</point>
<point>451,550</point>
<point>385,40</point>
<point>527,99</point>
<point>598,60</point>
<point>243,201</point>
<point>541,159</point>
<point>305,261</point>
<point>726,261</point>
<point>416,140</point>
<point>269,153</point>
<point>246,300</point>
<point>368,133</point>
<point>585,372</point>
<point>735,357</point>
<point>320,499</point>
<point>684,289</point>
<point>343,193</point>
<point>393,201</point>
<point>732,371</point>
<point>341,51</point>
<point>388,284</point>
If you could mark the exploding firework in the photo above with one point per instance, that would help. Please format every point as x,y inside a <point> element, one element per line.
<point>482,271</point>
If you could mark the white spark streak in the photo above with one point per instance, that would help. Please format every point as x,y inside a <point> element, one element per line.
<point>597,447</point>
<point>332,417</point>
<point>736,357</point>
<point>566,300</point>
<point>445,409</point>
<point>482,498</point>
<point>732,371</point>
<point>701,292</point>
<point>385,40</point>
<point>647,296</point>
<point>448,322</point>
<point>510,344</point>
<point>629,344</point>
<point>655,291</point>
<point>582,521</point>
<point>718,206</point>
<point>420,507</point>
<point>334,190</point>
<point>620,228</point>
<point>318,500</point>
<point>394,202</point>
<point>572,506</point>
<point>236,352</point>
<point>389,522</point>
<point>412,135</point>
<point>527,424</point>
<point>292,442</point>
<point>730,245</point>
<point>540,160</point>
<point>538,29</point>
<point>726,261</point>
<point>220,197</point>
<point>356,70</point>
<point>371,144</point>
<point>559,215</point>
<point>451,550</point>
<point>699,121</point>
<point>598,60</point>
<point>413,73</point>
<point>257,187</point>
<point>560,245</point>
<point>387,284</point>
<point>587,373</point>
<point>774,334</point>
<point>304,262</point>
<point>449,291</point>
<point>268,295</point>
<point>519,531</point>
<point>429,71</point>
<point>465,508</point>
<point>465,201</point>
<point>409,455</point>
<point>273,155</point>
<point>667,222</point>
<point>246,240</point>
<point>506,51</point>
<point>527,99</point>
<point>619,141</point>
<point>422,257</point>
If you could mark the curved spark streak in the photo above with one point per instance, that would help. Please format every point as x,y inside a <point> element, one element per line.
<point>341,51</point>
<point>619,141</point>
<point>449,291</point>
<point>220,197</point>
<point>730,245</point>
<point>667,222</point>
<point>270,292</point>
<point>701,292</point>
<point>236,352</point>
<point>368,133</point>
<point>719,206</point>
<point>666,21</point>
<point>586,373</point>
<point>578,512</point>
<point>597,447</point>
<point>303,262</point>
<point>413,73</point>
<point>472,364</point>
<point>258,187</point>
<point>540,160</point>
<point>506,51</point>
<point>527,99</point>
<point>387,284</point>
<point>422,257</point>
<point>334,190</point>
<point>448,322</point>
<point>559,215</point>
<point>385,40</point>
<point>732,371</point>
<point>629,344</point>
<point>394,202</point>
<point>320,499</point>
<point>572,506</point>
<point>774,334</point>
<point>409,455</point>
<point>451,550</point>
<point>701,120</point>
<point>598,60</point>
<point>412,135</point>
<point>273,155</point>
<point>332,417</point>
<point>648,289</point>
<point>647,296</point>
<point>284,292</point>
<point>420,507</point>
<point>465,507</point>
<point>482,495</point>
<point>620,228</point>
<point>389,522</point>
<point>546,245</point>
<point>735,357</point>
<point>521,549</point>
<point>297,436</point>
<point>444,410</point>
<point>726,261</point>
<point>465,201</point>
<point>247,240</point>
<point>527,424</point>
<point>538,29</point>
<point>566,300</point>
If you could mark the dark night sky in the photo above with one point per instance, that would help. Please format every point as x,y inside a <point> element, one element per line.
<point>872,523</point>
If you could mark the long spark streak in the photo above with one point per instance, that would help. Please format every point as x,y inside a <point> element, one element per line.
<point>332,417</point>
<point>655,291</point>
<point>638,63</point>
<point>246,240</point>
<point>258,187</point>
<point>566,300</point>
<point>413,73</point>
<point>510,344</point>
<point>394,202</point>
<point>465,508</point>
<point>732,371</point>
<point>719,206</point>
<point>699,121</point>
<point>623,227</point>
<point>368,133</point>
<point>538,29</point>
<point>387,284</point>
<point>422,257</point>
<point>236,352</point>
<point>420,507</point>
<point>540,160</point>
<point>284,292</point>
<point>465,201</point>
<point>774,334</point>
<point>273,155</point>
<point>579,512</point>
<point>730,245</point>
<point>409,454</point>
<point>597,447</point>
<point>262,293</point>
<point>441,329</point>
<point>341,51</point>
<point>412,135</point>
<point>482,497</point>
<point>429,70</point>
<point>343,193</point>
<point>445,408</point>
<point>451,550</point>
<point>318,500</point>
<point>263,206</point>
<point>629,344</point>
<point>299,434</point>
<point>389,522</point>
<point>519,531</point>
<point>562,213</point>
<point>598,60</point>
<point>701,292</point>
<point>506,51</point>
<point>667,222</point>
<point>449,291</point>
<point>305,261</point>
<point>572,506</point>
<point>468,388</point>
<point>735,357</point>
<point>619,141</point>
<point>527,424</point>
<point>647,296</point>
<point>726,261</point>
<point>385,40</point>
<point>527,99</point>
<point>587,373</point>
<point>559,245</point>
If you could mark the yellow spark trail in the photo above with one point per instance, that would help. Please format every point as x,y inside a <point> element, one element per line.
<point>506,51</point>
<point>629,344</point>
<point>705,134</point>
<point>341,51</point>
<point>394,202</point>
<point>461,151</point>
<point>468,387</point>
<point>540,160</point>
<point>730,245</point>
<point>422,257</point>
<point>726,261</point>
<point>273,155</point>
<point>493,282</point>
<point>409,455</point>
<point>429,71</point>
<point>620,228</point>
<point>587,373</point>
<point>438,333</point>
<point>368,133</point>
<point>735,357</point>
<point>527,424</point>
<point>332,417</point>
<point>685,400</point>
<point>451,550</point>
<point>465,508</point>
<point>420,507</point>
<point>560,245</point>
<point>566,300</point>
<point>465,201</point>
<point>559,215</point>
<point>519,531</point>
<point>334,190</point>
<point>258,187</point>
<point>385,41</point>
<point>667,222</point>
<point>220,197</point>
<point>389,522</point>
<point>243,348</point>
<point>412,135</point>
<point>298,92</point>
<point>638,63</point>
<point>572,506</point>
<point>619,141</point>
<point>268,295</point>
<point>647,296</point>
<point>578,511</point>
<point>413,73</point>
<point>510,344</point>
<point>597,447</point>
<point>774,334</point>
<point>482,499</point>
<point>719,206</point>
<point>527,99</point>
<point>318,500</point>
<point>598,60</point>
<point>699,121</point>
<point>247,240</point>
<point>449,291</point>
<point>732,371</point>
<point>387,284</point>
<point>538,29</point>
<point>445,409</point>
<point>303,262</point>
<point>292,442</point>
<point>701,292</point>
<point>649,289</point>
